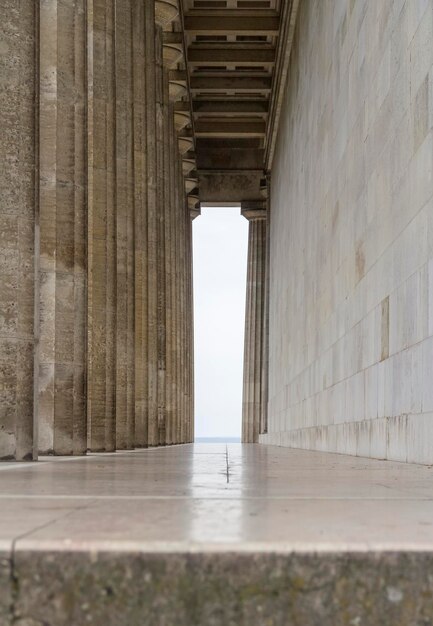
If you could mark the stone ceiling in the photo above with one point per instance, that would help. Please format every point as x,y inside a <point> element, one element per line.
<point>229,81</point>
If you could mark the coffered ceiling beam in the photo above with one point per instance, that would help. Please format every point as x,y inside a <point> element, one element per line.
<point>176,38</point>
<point>231,25</point>
<point>236,128</point>
<point>179,76</point>
<point>240,57</point>
<point>239,84</point>
<point>230,107</point>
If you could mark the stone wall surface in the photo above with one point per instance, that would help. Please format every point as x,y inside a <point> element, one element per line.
<point>221,588</point>
<point>351,242</point>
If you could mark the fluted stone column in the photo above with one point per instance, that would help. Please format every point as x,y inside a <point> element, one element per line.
<point>182,320</point>
<point>101,227</point>
<point>113,294</point>
<point>194,211</point>
<point>175,297</point>
<point>169,271</point>
<point>139,16</point>
<point>125,279</point>
<point>178,289</point>
<point>190,334</point>
<point>62,185</point>
<point>18,226</point>
<point>161,156</point>
<point>152,229</point>
<point>186,319</point>
<point>254,323</point>
<point>265,358</point>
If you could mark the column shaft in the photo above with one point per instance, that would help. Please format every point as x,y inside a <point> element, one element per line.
<point>179,410</point>
<point>18,227</point>
<point>161,155</point>
<point>265,360</point>
<point>62,181</point>
<point>152,229</point>
<point>101,227</point>
<point>125,283</point>
<point>190,339</point>
<point>139,15</point>
<point>169,269</point>
<point>254,330</point>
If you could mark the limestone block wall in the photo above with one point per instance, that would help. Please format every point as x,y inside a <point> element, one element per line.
<point>95,231</point>
<point>351,241</point>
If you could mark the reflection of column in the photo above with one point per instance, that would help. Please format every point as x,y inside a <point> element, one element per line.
<point>101,228</point>
<point>254,327</point>
<point>61,403</point>
<point>18,216</point>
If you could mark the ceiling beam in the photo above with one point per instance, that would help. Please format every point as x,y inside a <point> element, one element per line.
<point>176,38</point>
<point>230,107</point>
<point>179,76</point>
<point>218,56</point>
<point>232,128</point>
<point>231,25</point>
<point>239,84</point>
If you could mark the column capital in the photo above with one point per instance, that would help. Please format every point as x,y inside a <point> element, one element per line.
<point>253,210</point>
<point>166,12</point>
<point>193,206</point>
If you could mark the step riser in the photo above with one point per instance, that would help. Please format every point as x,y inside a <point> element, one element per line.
<point>216,589</point>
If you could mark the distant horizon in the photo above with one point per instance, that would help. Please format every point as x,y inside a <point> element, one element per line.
<point>217,440</point>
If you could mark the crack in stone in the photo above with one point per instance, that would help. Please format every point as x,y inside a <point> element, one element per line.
<point>14,617</point>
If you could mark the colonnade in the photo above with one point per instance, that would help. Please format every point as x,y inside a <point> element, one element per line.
<point>96,341</point>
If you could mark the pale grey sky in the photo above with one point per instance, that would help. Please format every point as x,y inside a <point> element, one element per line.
<point>220,265</point>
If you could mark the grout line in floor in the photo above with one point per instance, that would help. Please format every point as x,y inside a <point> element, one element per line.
<point>234,496</point>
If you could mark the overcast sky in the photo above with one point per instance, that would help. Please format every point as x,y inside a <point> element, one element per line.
<point>220,265</point>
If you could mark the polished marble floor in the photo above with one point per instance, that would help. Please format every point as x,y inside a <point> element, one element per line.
<point>217,497</point>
